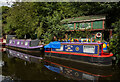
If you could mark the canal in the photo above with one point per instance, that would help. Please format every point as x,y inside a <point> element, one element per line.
<point>22,66</point>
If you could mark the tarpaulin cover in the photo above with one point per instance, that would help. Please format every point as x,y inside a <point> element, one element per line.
<point>54,44</point>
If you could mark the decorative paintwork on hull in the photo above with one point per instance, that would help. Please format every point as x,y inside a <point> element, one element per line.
<point>86,49</point>
<point>91,53</point>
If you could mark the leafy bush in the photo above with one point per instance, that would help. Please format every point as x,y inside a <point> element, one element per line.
<point>115,41</point>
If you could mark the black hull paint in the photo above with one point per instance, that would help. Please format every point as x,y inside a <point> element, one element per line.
<point>35,52</point>
<point>97,61</point>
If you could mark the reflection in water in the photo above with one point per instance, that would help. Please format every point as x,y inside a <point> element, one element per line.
<point>73,73</point>
<point>21,66</point>
<point>24,56</point>
<point>27,68</point>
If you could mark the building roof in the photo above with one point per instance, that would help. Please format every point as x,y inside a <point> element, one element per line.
<point>84,19</point>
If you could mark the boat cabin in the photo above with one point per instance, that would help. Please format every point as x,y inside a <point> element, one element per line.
<point>77,48</point>
<point>20,43</point>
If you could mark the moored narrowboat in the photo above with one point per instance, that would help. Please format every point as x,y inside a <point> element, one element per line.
<point>29,46</point>
<point>90,53</point>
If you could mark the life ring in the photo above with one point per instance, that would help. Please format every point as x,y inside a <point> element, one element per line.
<point>98,35</point>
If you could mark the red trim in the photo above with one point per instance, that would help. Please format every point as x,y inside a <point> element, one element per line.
<point>76,69</point>
<point>103,54</point>
<point>102,48</point>
<point>97,29</point>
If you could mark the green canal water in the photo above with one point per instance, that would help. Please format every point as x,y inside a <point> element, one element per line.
<point>34,68</point>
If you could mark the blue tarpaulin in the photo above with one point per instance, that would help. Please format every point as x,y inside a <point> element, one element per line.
<point>54,44</point>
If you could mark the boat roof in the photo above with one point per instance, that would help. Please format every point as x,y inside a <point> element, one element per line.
<point>81,43</point>
<point>21,39</point>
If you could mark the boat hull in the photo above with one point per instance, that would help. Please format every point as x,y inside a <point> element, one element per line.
<point>33,51</point>
<point>97,61</point>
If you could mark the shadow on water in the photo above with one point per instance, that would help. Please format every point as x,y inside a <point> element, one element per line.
<point>23,66</point>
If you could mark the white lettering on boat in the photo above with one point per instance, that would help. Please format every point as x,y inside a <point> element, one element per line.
<point>88,49</point>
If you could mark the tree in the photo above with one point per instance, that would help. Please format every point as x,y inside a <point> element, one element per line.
<point>43,18</point>
<point>22,19</point>
<point>4,16</point>
<point>29,18</point>
<point>115,41</point>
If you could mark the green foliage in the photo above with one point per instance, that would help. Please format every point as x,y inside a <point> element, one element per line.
<point>79,34</point>
<point>4,16</point>
<point>54,27</point>
<point>115,41</point>
<point>29,18</point>
<point>39,30</point>
<point>43,18</point>
<point>22,20</point>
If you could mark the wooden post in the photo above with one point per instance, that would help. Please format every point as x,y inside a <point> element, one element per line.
<point>66,36</point>
<point>110,33</point>
<point>74,25</point>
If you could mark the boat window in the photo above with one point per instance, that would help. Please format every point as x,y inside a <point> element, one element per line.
<point>34,43</point>
<point>13,42</point>
<point>10,41</point>
<point>21,43</point>
<point>18,42</point>
<point>26,43</point>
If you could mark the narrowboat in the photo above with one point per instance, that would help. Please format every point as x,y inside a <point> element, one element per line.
<point>89,53</point>
<point>29,46</point>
